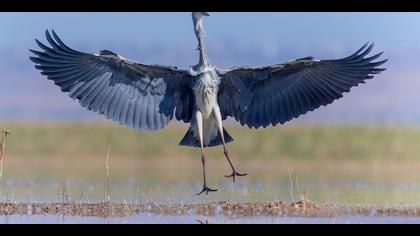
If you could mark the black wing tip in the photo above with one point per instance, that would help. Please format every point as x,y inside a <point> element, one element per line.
<point>379,63</point>
<point>365,51</point>
<point>34,59</point>
<point>363,47</point>
<point>369,48</point>
<point>47,32</point>
<point>35,52</point>
<point>54,35</point>
<point>366,48</point>
<point>378,54</point>
<point>54,42</point>
<point>39,42</point>
<point>361,52</point>
<point>369,44</point>
<point>50,39</point>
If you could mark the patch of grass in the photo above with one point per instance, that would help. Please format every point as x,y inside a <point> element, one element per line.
<point>298,142</point>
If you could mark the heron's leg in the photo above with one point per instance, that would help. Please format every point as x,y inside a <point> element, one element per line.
<point>219,123</point>
<point>199,122</point>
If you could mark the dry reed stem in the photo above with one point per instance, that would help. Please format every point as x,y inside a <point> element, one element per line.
<point>303,201</point>
<point>108,187</point>
<point>291,183</point>
<point>2,148</point>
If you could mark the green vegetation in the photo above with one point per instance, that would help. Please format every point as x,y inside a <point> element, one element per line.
<point>298,142</point>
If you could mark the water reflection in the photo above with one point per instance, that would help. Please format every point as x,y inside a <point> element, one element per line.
<point>137,192</point>
<point>192,219</point>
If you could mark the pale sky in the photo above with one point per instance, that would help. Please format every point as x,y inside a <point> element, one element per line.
<point>232,39</point>
<point>250,28</point>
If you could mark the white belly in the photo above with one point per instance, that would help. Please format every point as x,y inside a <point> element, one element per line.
<point>205,93</point>
<point>210,130</point>
<point>205,104</point>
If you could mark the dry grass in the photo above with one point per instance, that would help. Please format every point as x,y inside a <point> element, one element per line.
<point>108,177</point>
<point>299,209</point>
<point>4,134</point>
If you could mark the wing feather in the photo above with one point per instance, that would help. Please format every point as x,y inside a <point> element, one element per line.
<point>136,95</point>
<point>276,94</point>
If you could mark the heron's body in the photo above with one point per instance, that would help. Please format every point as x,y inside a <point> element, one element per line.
<point>205,93</point>
<point>148,97</point>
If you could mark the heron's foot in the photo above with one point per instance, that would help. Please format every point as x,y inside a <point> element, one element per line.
<point>234,174</point>
<point>206,190</point>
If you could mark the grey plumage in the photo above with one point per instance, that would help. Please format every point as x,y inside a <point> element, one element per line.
<point>148,97</point>
<point>275,94</point>
<point>136,95</point>
<point>191,141</point>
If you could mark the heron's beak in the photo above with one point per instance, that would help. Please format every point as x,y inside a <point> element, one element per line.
<point>205,14</point>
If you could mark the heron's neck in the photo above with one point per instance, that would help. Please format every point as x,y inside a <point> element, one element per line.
<point>199,33</point>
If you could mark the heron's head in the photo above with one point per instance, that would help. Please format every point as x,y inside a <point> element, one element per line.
<point>199,15</point>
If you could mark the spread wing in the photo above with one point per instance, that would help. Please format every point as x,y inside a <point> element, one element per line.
<point>276,94</point>
<point>136,95</point>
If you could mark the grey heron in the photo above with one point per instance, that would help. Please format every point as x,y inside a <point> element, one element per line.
<point>148,97</point>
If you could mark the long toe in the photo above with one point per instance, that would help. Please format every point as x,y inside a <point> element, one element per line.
<point>234,174</point>
<point>210,190</point>
<point>206,190</point>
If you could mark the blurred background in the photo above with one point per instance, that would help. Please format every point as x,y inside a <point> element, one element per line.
<point>362,148</point>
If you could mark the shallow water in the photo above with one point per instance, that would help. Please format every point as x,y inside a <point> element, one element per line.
<point>334,190</point>
<point>386,187</point>
<point>317,190</point>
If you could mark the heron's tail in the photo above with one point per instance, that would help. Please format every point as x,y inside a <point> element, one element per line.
<point>191,141</point>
